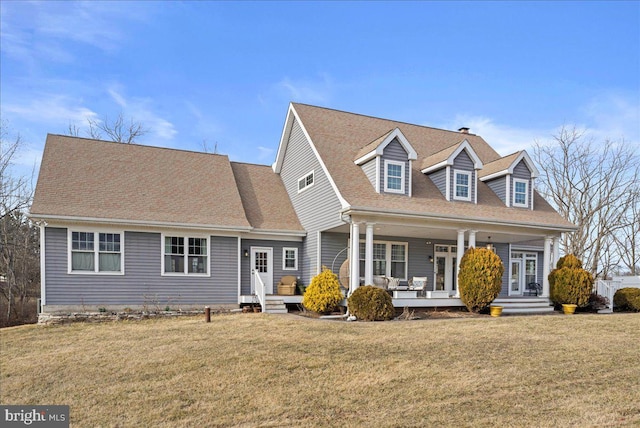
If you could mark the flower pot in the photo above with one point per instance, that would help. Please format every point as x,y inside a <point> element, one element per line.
<point>569,309</point>
<point>495,311</point>
<point>257,309</point>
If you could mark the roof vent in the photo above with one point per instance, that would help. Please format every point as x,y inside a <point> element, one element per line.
<point>463,130</point>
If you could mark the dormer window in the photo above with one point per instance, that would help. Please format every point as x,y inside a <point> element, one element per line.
<point>462,191</point>
<point>394,176</point>
<point>520,193</point>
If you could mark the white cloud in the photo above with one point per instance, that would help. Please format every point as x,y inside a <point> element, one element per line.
<point>308,91</point>
<point>51,108</point>
<point>613,117</point>
<point>46,31</point>
<point>141,110</point>
<point>504,139</point>
<point>265,153</point>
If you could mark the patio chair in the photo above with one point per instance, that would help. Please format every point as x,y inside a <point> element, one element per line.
<point>287,285</point>
<point>533,288</point>
<point>381,281</point>
<point>419,284</point>
<point>393,283</point>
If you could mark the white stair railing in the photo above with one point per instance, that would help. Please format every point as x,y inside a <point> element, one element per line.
<point>259,290</point>
<point>608,288</point>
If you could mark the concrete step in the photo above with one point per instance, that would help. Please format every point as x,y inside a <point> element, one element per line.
<point>275,306</point>
<point>533,305</point>
<point>528,310</point>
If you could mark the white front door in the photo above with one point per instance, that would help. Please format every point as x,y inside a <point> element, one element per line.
<point>445,268</point>
<point>262,264</point>
<point>516,286</point>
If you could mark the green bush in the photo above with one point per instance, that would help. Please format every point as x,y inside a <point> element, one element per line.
<point>627,299</point>
<point>323,294</point>
<point>371,303</point>
<point>480,278</point>
<point>569,283</point>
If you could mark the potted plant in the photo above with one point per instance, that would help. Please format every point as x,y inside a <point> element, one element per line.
<point>495,311</point>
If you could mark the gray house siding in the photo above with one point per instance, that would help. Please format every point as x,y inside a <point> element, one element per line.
<point>278,271</point>
<point>333,250</point>
<point>318,206</point>
<point>499,187</point>
<point>521,171</point>
<point>142,283</point>
<point>439,178</point>
<point>502,250</point>
<point>395,152</point>
<point>463,162</point>
<point>369,169</point>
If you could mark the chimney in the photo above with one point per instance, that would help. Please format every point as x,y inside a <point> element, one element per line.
<point>464,130</point>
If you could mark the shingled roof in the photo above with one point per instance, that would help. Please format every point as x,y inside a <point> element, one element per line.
<point>265,199</point>
<point>98,180</point>
<point>340,136</point>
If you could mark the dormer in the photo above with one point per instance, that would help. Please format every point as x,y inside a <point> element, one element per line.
<point>454,171</point>
<point>511,179</point>
<point>386,162</point>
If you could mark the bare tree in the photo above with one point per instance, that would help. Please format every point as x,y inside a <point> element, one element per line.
<point>19,246</point>
<point>15,192</point>
<point>627,239</point>
<point>593,185</point>
<point>118,130</point>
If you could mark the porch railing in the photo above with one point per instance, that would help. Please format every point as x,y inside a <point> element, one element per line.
<point>607,288</point>
<point>259,290</point>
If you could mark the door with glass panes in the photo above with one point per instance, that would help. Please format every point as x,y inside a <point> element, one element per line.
<point>445,269</point>
<point>523,272</point>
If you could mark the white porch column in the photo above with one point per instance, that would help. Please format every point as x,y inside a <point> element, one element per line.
<point>556,251</point>
<point>546,262</point>
<point>472,238</point>
<point>354,271</point>
<point>368,255</point>
<point>459,257</point>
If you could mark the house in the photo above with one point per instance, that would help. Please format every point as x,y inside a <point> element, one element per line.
<point>131,226</point>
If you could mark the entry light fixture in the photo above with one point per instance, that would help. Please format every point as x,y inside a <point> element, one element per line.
<point>489,244</point>
<point>430,259</point>
<point>246,252</point>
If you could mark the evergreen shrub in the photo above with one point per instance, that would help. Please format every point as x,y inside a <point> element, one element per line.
<point>627,299</point>
<point>569,283</point>
<point>480,278</point>
<point>323,294</point>
<point>371,303</point>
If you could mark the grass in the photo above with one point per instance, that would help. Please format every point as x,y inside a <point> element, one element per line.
<point>266,370</point>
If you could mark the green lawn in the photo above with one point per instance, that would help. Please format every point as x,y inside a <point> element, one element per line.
<point>270,370</point>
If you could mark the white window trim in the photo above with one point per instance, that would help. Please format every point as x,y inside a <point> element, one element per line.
<point>402,176</point>
<point>284,259</point>
<point>387,256</point>
<point>526,193</point>
<point>304,178</point>
<point>469,174</point>
<point>185,255</point>
<point>96,250</point>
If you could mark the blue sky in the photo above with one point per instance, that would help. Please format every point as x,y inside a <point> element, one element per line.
<point>224,72</point>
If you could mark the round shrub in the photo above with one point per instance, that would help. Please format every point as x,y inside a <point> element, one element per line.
<point>371,303</point>
<point>569,283</point>
<point>480,278</point>
<point>323,294</point>
<point>627,299</point>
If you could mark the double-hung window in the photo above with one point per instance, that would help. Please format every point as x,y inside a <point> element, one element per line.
<point>95,252</point>
<point>289,259</point>
<point>520,193</point>
<point>185,255</point>
<point>394,176</point>
<point>462,185</point>
<point>305,182</point>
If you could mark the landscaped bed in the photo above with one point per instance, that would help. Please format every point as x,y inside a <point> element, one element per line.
<point>270,370</point>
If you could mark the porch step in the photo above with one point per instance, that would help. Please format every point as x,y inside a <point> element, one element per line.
<point>525,305</point>
<point>275,305</point>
